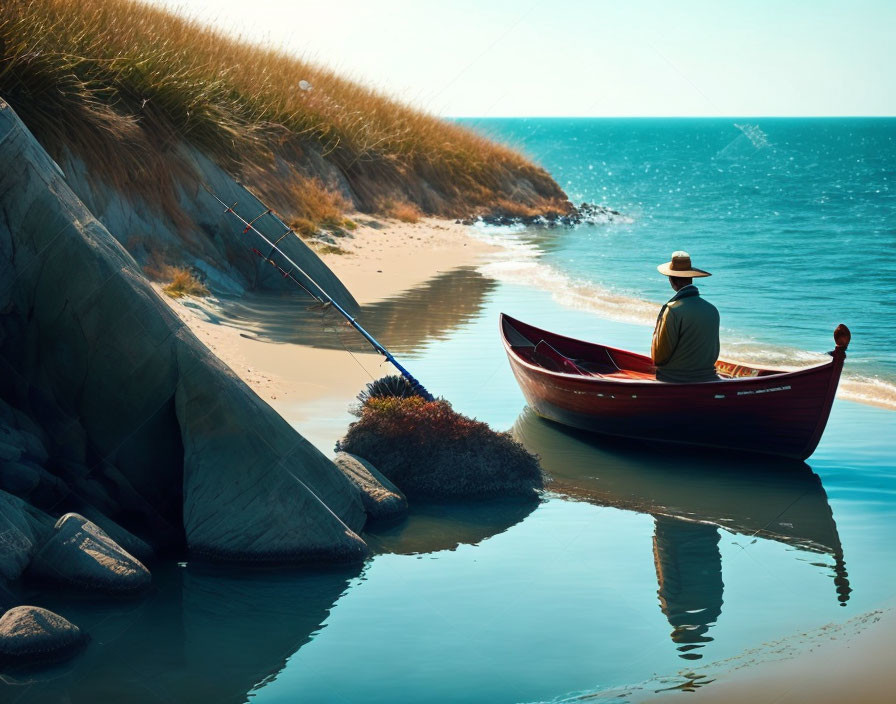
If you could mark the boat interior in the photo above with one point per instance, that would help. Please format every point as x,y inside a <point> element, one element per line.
<point>586,359</point>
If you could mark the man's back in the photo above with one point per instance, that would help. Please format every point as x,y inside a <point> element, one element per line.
<point>686,339</point>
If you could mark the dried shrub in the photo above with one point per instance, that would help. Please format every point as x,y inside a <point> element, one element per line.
<point>392,385</point>
<point>319,206</point>
<point>400,210</point>
<point>430,451</point>
<point>329,249</point>
<point>184,283</point>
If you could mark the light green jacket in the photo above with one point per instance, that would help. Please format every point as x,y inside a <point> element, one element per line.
<point>686,339</point>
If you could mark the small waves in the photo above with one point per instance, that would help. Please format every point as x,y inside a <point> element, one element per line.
<point>519,262</point>
<point>571,293</point>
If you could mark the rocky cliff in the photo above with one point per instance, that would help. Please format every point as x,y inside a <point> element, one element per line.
<point>113,409</point>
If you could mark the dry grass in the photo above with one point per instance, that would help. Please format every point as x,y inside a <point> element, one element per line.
<point>319,206</point>
<point>400,210</point>
<point>123,86</point>
<point>329,249</point>
<point>183,283</point>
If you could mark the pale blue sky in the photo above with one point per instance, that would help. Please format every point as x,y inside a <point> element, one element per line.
<point>573,57</point>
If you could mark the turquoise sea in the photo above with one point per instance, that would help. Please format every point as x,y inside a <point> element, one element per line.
<point>795,218</point>
<point>640,566</point>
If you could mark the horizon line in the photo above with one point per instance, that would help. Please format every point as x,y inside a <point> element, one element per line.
<point>666,117</point>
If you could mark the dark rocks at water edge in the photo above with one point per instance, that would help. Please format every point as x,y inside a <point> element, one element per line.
<point>121,435</point>
<point>79,554</point>
<point>30,635</point>
<point>382,499</point>
<point>112,409</point>
<point>584,214</point>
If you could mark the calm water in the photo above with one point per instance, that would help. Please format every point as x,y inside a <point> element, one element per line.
<point>637,564</point>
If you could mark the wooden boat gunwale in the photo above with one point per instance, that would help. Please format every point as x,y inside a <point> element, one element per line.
<point>547,391</point>
<point>771,373</point>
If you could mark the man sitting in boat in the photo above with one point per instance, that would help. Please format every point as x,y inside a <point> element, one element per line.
<point>686,337</point>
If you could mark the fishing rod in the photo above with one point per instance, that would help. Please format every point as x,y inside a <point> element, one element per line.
<point>322,296</point>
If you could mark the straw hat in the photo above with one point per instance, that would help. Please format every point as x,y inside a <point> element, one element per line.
<point>680,265</point>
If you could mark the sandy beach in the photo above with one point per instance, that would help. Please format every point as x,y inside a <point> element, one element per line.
<point>383,258</point>
<point>312,387</point>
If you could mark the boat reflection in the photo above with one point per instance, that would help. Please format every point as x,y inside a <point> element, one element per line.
<point>689,574</point>
<point>691,495</point>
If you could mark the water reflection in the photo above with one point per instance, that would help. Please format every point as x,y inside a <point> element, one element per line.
<point>203,634</point>
<point>431,527</point>
<point>691,495</point>
<point>403,323</point>
<point>218,634</point>
<point>689,575</point>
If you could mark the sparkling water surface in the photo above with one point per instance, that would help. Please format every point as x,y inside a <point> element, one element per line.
<point>638,563</point>
<point>795,218</point>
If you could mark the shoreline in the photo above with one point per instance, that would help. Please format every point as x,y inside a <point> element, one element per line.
<point>385,259</point>
<point>378,262</point>
<point>382,262</point>
<point>607,304</point>
<point>847,661</point>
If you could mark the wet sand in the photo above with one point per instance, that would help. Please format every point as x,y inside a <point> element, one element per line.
<point>849,662</point>
<point>383,260</point>
<point>311,386</point>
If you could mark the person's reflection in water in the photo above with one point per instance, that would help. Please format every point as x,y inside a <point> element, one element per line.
<point>689,574</point>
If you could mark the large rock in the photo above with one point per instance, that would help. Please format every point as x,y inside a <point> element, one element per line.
<point>30,634</point>
<point>93,355</point>
<point>133,545</point>
<point>18,478</point>
<point>382,499</point>
<point>253,488</point>
<point>80,554</point>
<point>22,530</point>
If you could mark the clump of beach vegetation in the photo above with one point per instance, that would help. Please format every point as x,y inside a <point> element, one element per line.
<point>429,450</point>
<point>329,249</point>
<point>184,283</point>
<point>319,208</point>
<point>124,86</point>
<point>402,211</point>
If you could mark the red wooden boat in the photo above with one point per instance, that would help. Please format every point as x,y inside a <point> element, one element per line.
<point>614,392</point>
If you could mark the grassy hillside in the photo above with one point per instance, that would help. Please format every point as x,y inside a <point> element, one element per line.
<point>123,86</point>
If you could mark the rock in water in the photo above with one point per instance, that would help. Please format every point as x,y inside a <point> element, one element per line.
<point>254,489</point>
<point>80,554</point>
<point>381,498</point>
<point>128,541</point>
<point>31,634</point>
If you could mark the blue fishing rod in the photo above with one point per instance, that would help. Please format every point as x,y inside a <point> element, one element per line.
<point>322,296</point>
